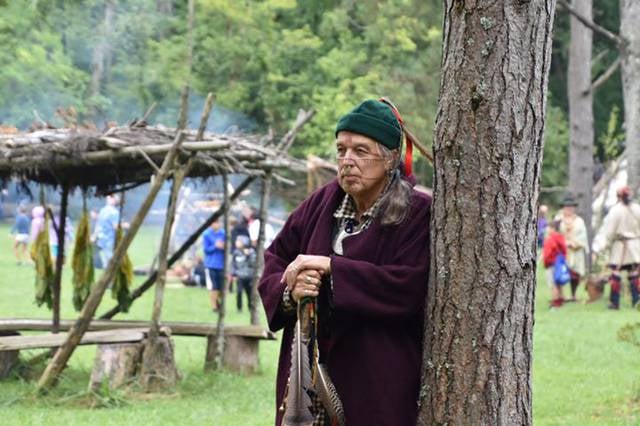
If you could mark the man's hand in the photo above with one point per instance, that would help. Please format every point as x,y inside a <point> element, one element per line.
<point>321,264</point>
<point>307,284</point>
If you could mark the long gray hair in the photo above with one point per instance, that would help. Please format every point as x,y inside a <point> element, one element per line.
<point>396,200</point>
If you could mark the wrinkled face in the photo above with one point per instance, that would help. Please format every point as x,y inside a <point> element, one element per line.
<point>361,168</point>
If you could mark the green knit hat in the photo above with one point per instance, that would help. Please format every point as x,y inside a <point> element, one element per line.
<point>375,120</point>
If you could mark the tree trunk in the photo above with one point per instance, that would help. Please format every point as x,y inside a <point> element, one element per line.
<point>488,149</point>
<point>102,54</point>
<point>581,112</point>
<point>629,18</point>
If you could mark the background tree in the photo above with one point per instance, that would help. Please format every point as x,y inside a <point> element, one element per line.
<point>488,153</point>
<point>581,147</point>
<point>630,33</point>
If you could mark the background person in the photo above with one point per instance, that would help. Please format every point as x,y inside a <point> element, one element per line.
<point>554,246</point>
<point>622,236</point>
<point>105,229</point>
<point>213,246</point>
<point>244,265</point>
<point>574,230</point>
<point>20,232</point>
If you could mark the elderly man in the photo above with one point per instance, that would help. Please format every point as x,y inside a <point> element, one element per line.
<point>359,249</point>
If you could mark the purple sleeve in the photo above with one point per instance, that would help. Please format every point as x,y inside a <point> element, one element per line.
<point>395,289</point>
<point>283,250</point>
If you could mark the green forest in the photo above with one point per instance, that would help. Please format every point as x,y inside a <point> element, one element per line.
<point>110,60</point>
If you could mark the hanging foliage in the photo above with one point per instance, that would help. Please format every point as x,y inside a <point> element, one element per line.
<point>123,279</point>
<point>82,263</point>
<point>41,255</point>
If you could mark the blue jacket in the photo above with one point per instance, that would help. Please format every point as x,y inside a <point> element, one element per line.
<point>213,256</point>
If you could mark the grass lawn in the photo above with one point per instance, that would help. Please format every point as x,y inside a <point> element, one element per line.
<point>581,374</point>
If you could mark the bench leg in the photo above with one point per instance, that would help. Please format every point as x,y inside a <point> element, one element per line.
<point>241,354</point>
<point>8,359</point>
<point>116,363</point>
<point>210,354</point>
<point>158,371</point>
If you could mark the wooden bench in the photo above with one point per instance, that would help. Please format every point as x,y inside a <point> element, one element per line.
<point>241,341</point>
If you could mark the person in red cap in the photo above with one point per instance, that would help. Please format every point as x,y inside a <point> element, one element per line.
<point>554,246</point>
<point>359,249</point>
<point>622,237</point>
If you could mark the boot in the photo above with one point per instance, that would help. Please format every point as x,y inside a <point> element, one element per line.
<point>614,297</point>
<point>634,286</point>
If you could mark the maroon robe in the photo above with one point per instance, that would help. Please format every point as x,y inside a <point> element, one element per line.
<point>374,312</point>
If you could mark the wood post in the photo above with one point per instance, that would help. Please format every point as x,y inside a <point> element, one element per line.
<point>225,276</point>
<point>158,371</point>
<point>178,178</point>
<point>264,207</point>
<point>59,361</point>
<point>62,225</point>
<point>8,359</point>
<point>115,363</point>
<point>240,354</point>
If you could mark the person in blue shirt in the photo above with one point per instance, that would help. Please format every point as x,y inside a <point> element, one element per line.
<point>213,245</point>
<point>104,234</point>
<point>20,231</point>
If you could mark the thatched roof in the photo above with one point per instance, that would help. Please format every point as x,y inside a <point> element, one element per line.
<point>129,155</point>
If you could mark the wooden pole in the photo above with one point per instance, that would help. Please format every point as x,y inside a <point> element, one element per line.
<point>183,248</point>
<point>62,224</point>
<point>178,178</point>
<point>204,119</point>
<point>60,359</point>
<point>264,215</point>
<point>225,276</point>
<point>184,106</point>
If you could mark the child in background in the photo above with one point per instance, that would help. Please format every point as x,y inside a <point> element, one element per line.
<point>20,231</point>
<point>554,246</point>
<point>243,266</point>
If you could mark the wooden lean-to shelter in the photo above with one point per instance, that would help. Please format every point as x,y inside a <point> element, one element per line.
<point>123,157</point>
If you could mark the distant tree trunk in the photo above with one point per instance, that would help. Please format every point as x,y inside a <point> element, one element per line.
<point>581,112</point>
<point>102,54</point>
<point>630,31</point>
<point>165,7</point>
<point>190,23</point>
<point>488,149</point>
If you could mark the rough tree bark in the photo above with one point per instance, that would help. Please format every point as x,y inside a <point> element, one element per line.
<point>629,18</point>
<point>488,151</point>
<point>581,112</point>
